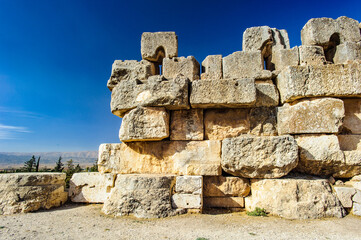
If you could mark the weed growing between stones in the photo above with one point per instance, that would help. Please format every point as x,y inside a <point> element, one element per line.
<point>258,212</point>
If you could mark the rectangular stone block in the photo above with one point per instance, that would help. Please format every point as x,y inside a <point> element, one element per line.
<point>157,45</point>
<point>187,125</point>
<point>346,52</point>
<point>266,94</point>
<point>282,58</point>
<point>350,142</point>
<point>145,124</point>
<point>311,116</point>
<point>263,121</point>
<point>187,201</point>
<point>242,64</point>
<point>189,185</point>
<point>223,93</point>
<point>223,202</point>
<point>187,67</point>
<point>130,70</point>
<point>155,92</point>
<point>311,55</point>
<point>200,158</point>
<point>220,186</point>
<point>337,80</point>
<point>224,123</point>
<point>212,67</point>
<point>91,187</point>
<point>352,120</point>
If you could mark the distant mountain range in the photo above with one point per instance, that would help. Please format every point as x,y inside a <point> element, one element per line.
<point>17,159</point>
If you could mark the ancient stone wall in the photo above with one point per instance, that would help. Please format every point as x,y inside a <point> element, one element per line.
<point>270,126</point>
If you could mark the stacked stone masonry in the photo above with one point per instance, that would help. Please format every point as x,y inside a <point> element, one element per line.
<point>269,126</point>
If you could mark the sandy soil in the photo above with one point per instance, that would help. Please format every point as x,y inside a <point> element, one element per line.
<point>74,221</point>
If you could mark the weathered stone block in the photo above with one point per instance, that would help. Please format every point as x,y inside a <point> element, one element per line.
<point>223,202</point>
<point>187,201</point>
<point>28,192</point>
<point>347,52</point>
<point>158,45</point>
<point>220,186</point>
<point>311,55</point>
<point>166,157</point>
<point>90,187</point>
<point>144,196</point>
<point>352,120</point>
<point>345,195</point>
<point>282,58</point>
<point>187,125</point>
<point>356,209</point>
<point>266,94</point>
<point>350,142</point>
<point>130,70</point>
<point>187,67</point>
<point>340,80</point>
<point>263,121</point>
<point>259,157</point>
<point>155,92</point>
<point>189,185</point>
<point>145,124</point>
<point>224,123</point>
<point>299,197</point>
<point>212,67</point>
<point>311,116</point>
<point>242,64</point>
<point>223,93</point>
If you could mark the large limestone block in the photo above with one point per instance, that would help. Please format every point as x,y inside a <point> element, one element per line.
<point>224,123</point>
<point>267,94</point>
<point>219,186</point>
<point>187,125</point>
<point>311,55</point>
<point>282,58</point>
<point>263,121</point>
<point>143,196</point>
<point>352,120</point>
<point>345,195</point>
<point>299,197</point>
<point>259,157</point>
<point>223,202</point>
<point>350,142</point>
<point>223,93</point>
<point>189,185</point>
<point>187,67</point>
<point>145,124</point>
<point>90,187</point>
<point>158,45</point>
<point>130,70</point>
<point>356,209</point>
<point>311,116</point>
<point>187,201</point>
<point>28,192</point>
<point>336,80</point>
<point>212,67</point>
<point>165,157</point>
<point>155,92</point>
<point>347,52</point>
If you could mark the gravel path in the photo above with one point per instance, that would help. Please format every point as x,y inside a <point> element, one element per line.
<point>74,221</point>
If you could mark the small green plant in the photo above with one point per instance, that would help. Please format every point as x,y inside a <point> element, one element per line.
<point>202,238</point>
<point>1,227</point>
<point>258,212</point>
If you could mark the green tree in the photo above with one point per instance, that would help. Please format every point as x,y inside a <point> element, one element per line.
<point>59,166</point>
<point>70,170</point>
<point>94,168</point>
<point>37,165</point>
<point>30,165</point>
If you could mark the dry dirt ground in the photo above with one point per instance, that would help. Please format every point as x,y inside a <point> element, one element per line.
<point>74,221</point>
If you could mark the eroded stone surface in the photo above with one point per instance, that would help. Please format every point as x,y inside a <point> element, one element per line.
<point>282,58</point>
<point>345,195</point>
<point>267,94</point>
<point>311,55</point>
<point>242,64</point>
<point>212,67</point>
<point>220,186</point>
<point>157,45</point>
<point>259,157</point>
<point>187,67</point>
<point>189,185</point>
<point>352,120</point>
<point>263,121</point>
<point>347,52</point>
<point>187,201</point>
<point>187,125</point>
<point>350,142</point>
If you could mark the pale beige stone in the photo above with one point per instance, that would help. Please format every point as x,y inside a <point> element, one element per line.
<point>311,116</point>
<point>356,209</point>
<point>337,80</point>
<point>187,67</point>
<point>223,202</point>
<point>282,58</point>
<point>223,93</point>
<point>90,187</point>
<point>257,38</point>
<point>266,94</point>
<point>311,55</point>
<point>224,123</point>
<point>29,192</point>
<point>298,197</point>
<point>130,70</point>
<point>350,142</point>
<point>158,45</point>
<point>143,196</point>
<point>347,52</point>
<point>212,67</point>
<point>242,64</point>
<point>145,124</point>
<point>259,157</point>
<point>189,185</point>
<point>155,92</point>
<point>352,120</point>
<point>263,121</point>
<point>187,125</point>
<point>345,195</point>
<point>219,186</point>
<point>187,201</point>
<point>165,157</point>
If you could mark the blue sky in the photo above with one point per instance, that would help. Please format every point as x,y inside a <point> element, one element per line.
<point>56,57</point>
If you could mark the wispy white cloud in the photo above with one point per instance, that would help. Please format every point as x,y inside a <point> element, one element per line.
<point>20,113</point>
<point>10,132</point>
